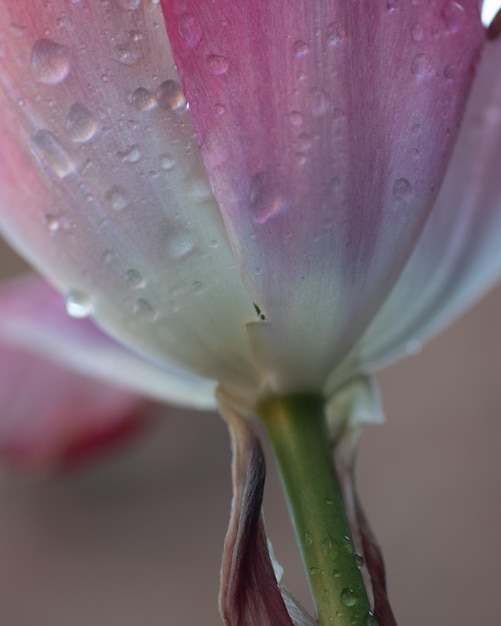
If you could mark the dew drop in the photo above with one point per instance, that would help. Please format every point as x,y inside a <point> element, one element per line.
<point>218,65</point>
<point>131,155</point>
<point>179,246</point>
<point>81,125</point>
<point>170,96</point>
<point>313,571</point>
<point>336,573</point>
<point>128,5</point>
<point>78,304</point>
<point>450,71</point>
<point>413,347</point>
<point>265,202</point>
<point>329,545</point>
<point>134,279</point>
<point>52,223</point>
<point>454,15</point>
<point>301,48</point>
<point>319,102</point>
<point>220,109</point>
<point>359,560</point>
<point>117,198</point>
<point>421,65</point>
<point>190,29</point>
<point>167,162</point>
<point>127,54</point>
<point>417,32</point>
<point>392,5</point>
<point>370,620</point>
<point>295,118</point>
<point>336,33</point>
<point>308,540</point>
<point>143,311</point>
<point>50,62</point>
<point>143,99</point>
<point>348,597</point>
<point>402,189</point>
<point>47,149</point>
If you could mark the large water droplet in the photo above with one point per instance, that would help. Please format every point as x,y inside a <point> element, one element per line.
<point>81,125</point>
<point>47,149</point>
<point>217,64</point>
<point>143,99</point>
<point>170,96</point>
<point>190,29</point>
<point>50,62</point>
<point>402,189</point>
<point>348,597</point>
<point>265,202</point>
<point>179,245</point>
<point>78,304</point>
<point>454,16</point>
<point>301,48</point>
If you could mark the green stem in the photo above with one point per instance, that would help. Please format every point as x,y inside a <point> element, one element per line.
<point>297,431</point>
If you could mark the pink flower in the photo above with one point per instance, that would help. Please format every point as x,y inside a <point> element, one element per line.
<point>248,194</point>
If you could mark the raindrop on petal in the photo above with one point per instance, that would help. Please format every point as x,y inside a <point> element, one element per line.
<point>78,304</point>
<point>218,65</point>
<point>50,62</point>
<point>143,311</point>
<point>402,189</point>
<point>170,96</point>
<point>134,279</point>
<point>47,149</point>
<point>190,29</point>
<point>81,125</point>
<point>143,99</point>
<point>128,5</point>
<point>348,597</point>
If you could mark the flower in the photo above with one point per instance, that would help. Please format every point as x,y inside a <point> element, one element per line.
<point>248,195</point>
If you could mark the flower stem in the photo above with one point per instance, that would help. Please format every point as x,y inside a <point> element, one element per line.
<point>298,434</point>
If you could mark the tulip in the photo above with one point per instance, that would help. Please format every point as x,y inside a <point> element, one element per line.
<point>257,198</point>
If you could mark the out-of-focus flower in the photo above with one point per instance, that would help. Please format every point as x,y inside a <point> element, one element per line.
<point>245,194</point>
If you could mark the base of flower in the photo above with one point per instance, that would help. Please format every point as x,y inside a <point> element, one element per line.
<point>297,431</point>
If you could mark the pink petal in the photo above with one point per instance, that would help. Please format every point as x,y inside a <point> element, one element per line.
<point>458,257</point>
<point>102,186</point>
<point>310,116</point>
<point>249,592</point>
<point>33,319</point>
<point>51,416</point>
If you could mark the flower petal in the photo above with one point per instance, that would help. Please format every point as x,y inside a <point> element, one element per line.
<point>102,186</point>
<point>33,318</point>
<point>458,257</point>
<point>325,128</point>
<point>249,592</point>
<point>51,416</point>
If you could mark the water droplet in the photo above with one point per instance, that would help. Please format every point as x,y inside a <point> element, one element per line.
<point>359,560</point>
<point>422,65</point>
<point>313,571</point>
<point>217,64</point>
<point>47,149</point>
<point>220,109</point>
<point>117,198</point>
<point>144,311</point>
<point>454,15</point>
<point>336,33</point>
<point>295,118</point>
<point>78,304</point>
<point>450,71</point>
<point>50,62</point>
<point>329,501</point>
<point>134,279</point>
<point>190,29</point>
<point>179,245</point>
<point>265,202</point>
<point>127,54</point>
<point>308,540</point>
<point>143,99</point>
<point>170,96</point>
<point>413,347</point>
<point>108,256</point>
<point>81,125</point>
<point>131,155</point>
<point>167,162</point>
<point>319,102</point>
<point>348,597</point>
<point>336,573</point>
<point>128,5</point>
<point>301,48</point>
<point>52,223</point>
<point>329,545</point>
<point>370,620</point>
<point>402,189</point>
<point>348,545</point>
<point>392,5</point>
<point>417,32</point>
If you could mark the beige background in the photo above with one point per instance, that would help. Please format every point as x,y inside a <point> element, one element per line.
<point>136,539</point>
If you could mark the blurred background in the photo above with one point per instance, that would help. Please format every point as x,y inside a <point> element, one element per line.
<point>136,537</point>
